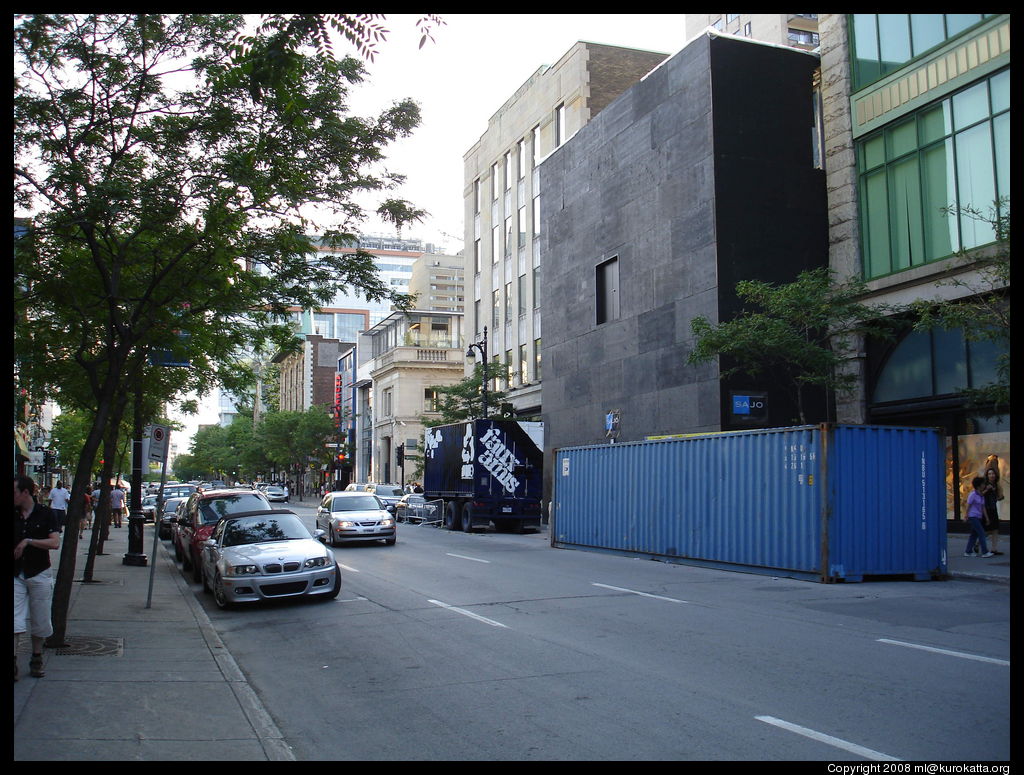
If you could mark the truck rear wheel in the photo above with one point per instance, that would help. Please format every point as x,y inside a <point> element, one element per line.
<point>467,519</point>
<point>452,516</point>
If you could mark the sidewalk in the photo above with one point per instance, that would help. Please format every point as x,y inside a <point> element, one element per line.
<point>995,569</point>
<point>157,684</point>
<point>137,683</point>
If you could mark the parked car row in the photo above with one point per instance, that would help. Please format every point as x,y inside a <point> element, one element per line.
<point>243,550</point>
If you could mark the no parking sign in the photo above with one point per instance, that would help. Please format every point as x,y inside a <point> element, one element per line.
<point>158,442</point>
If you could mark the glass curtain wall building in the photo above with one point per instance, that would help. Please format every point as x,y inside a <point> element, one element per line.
<point>922,177</point>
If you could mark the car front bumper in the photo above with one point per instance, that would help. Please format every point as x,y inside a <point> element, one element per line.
<point>251,589</point>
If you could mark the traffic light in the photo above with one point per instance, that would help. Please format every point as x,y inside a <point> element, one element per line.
<point>400,455</point>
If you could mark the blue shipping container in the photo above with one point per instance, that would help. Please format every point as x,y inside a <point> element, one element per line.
<point>824,502</point>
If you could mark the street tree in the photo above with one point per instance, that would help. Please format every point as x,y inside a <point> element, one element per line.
<point>799,332</point>
<point>169,204</point>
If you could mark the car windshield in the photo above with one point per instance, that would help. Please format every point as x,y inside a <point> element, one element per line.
<point>261,528</point>
<point>215,508</point>
<point>356,503</point>
<point>388,491</point>
<point>170,506</point>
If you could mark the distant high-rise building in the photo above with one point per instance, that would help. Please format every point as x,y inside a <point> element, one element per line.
<point>799,30</point>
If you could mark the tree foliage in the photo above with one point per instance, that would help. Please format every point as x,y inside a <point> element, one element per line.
<point>798,332</point>
<point>169,202</point>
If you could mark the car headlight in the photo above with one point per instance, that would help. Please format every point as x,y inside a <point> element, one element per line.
<point>387,522</point>
<point>243,570</point>
<point>346,523</point>
<point>316,562</point>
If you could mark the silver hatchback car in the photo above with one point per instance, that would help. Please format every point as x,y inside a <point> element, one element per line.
<point>347,517</point>
<point>266,555</point>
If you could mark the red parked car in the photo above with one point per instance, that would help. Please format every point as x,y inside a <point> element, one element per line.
<point>200,515</point>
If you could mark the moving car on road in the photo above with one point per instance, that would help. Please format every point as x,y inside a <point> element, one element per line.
<point>277,493</point>
<point>391,494</point>
<point>265,555</point>
<point>355,517</point>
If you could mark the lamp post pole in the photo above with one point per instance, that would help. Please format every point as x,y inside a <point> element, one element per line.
<point>481,346</point>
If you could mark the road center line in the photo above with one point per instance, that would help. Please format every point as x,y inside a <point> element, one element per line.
<point>860,750</point>
<point>464,557</point>
<point>470,614</point>
<point>642,594</point>
<point>960,654</point>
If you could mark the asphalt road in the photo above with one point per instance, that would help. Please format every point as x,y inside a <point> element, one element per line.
<point>489,646</point>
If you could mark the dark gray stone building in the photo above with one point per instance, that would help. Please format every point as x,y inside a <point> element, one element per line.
<point>702,174</point>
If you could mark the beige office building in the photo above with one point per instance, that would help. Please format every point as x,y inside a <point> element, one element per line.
<point>502,200</point>
<point>798,30</point>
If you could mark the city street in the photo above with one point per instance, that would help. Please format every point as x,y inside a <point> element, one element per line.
<point>497,647</point>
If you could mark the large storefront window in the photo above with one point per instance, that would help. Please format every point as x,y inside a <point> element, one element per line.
<point>921,177</point>
<point>918,383</point>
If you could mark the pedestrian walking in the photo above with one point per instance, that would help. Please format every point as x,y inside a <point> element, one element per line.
<point>36,533</point>
<point>60,496</point>
<point>992,493</point>
<point>975,518</point>
<point>117,501</point>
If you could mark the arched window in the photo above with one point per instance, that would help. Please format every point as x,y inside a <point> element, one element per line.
<point>935,363</point>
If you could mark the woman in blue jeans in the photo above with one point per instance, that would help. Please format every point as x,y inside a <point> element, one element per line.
<point>975,518</point>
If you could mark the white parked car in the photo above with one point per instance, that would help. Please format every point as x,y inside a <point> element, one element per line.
<point>355,517</point>
<point>266,555</point>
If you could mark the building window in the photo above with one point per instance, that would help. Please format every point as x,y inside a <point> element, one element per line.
<point>536,287</point>
<point>508,303</point>
<point>920,177</point>
<point>731,17</point>
<point>476,256</point>
<point>521,293</point>
<point>536,359</point>
<point>476,195</point>
<point>882,43</point>
<point>508,236</point>
<point>495,309</point>
<point>536,215</point>
<point>559,125</point>
<point>430,399</point>
<point>495,181</point>
<point>803,37</point>
<point>521,149</point>
<point>522,226</point>
<point>508,170</point>
<point>746,29</point>
<point>524,377</point>
<point>608,291</point>
<point>536,145</point>
<point>495,244</point>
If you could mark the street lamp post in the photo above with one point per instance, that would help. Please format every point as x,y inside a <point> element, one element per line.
<point>481,346</point>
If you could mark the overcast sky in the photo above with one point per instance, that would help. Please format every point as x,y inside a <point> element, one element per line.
<point>474,64</point>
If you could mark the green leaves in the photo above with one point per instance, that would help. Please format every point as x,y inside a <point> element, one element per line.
<point>799,331</point>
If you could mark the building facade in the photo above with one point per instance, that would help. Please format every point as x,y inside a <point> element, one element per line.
<point>797,30</point>
<point>307,376</point>
<point>917,134</point>
<point>410,353</point>
<point>503,196</point>
<point>699,176</point>
<point>439,283</point>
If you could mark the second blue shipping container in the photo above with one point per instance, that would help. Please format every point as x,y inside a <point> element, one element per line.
<point>824,502</point>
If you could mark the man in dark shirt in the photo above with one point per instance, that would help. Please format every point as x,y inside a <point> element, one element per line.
<point>36,533</point>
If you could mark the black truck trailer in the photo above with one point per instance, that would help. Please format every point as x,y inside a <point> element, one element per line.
<point>486,471</point>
